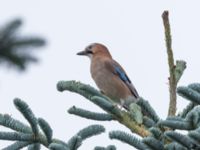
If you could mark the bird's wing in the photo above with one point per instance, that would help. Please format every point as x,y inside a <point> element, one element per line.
<point>119,71</point>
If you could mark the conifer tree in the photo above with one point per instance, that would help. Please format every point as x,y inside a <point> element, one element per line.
<point>142,120</point>
<point>15,50</point>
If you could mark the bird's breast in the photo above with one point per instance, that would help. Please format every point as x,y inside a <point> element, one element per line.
<point>108,82</point>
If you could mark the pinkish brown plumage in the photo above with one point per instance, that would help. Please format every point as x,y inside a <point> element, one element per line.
<point>109,76</point>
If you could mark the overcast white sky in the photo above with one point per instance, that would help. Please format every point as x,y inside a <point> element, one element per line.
<point>132,30</point>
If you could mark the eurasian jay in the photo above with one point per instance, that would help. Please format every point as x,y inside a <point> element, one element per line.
<point>109,76</point>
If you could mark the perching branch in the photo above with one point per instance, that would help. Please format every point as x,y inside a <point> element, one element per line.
<point>152,129</point>
<point>105,103</point>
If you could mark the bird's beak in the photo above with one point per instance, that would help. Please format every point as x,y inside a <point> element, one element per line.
<point>82,53</point>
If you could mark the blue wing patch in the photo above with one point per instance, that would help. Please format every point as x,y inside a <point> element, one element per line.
<point>115,68</point>
<point>122,74</point>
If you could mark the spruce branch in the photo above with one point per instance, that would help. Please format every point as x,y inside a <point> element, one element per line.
<point>10,29</point>
<point>176,124</point>
<point>35,146</point>
<point>105,103</point>
<point>148,110</point>
<point>136,113</point>
<point>195,87</point>
<point>195,135</point>
<point>55,146</point>
<point>90,131</point>
<point>17,145</point>
<point>75,142</point>
<point>189,94</point>
<point>28,114</point>
<point>156,133</point>
<point>90,115</point>
<point>46,129</point>
<point>187,109</point>
<point>14,49</point>
<point>73,86</point>
<point>194,117</point>
<point>15,136</point>
<point>60,142</point>
<point>190,122</point>
<point>128,138</point>
<point>23,43</point>
<point>7,121</point>
<point>175,146</point>
<point>153,143</point>
<point>181,139</point>
<point>32,138</point>
<point>109,147</point>
<point>148,123</point>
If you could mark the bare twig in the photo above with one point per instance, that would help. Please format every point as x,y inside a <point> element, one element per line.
<point>172,78</point>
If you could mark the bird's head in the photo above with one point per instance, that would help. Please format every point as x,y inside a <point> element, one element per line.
<point>94,50</point>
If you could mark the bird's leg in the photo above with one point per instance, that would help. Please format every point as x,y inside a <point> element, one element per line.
<point>122,104</point>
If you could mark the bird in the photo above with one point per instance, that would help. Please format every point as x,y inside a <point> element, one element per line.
<point>109,76</point>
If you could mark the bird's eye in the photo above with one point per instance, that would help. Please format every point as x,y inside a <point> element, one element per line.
<point>90,47</point>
